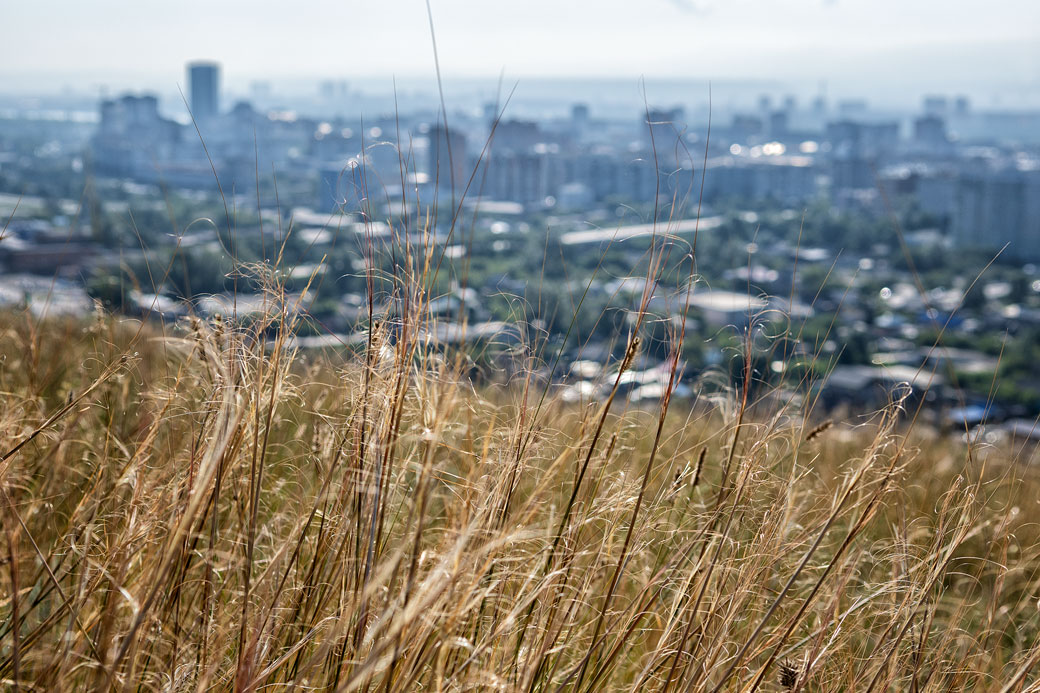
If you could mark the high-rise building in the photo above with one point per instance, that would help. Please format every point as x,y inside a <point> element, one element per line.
<point>579,120</point>
<point>580,114</point>
<point>447,162</point>
<point>204,89</point>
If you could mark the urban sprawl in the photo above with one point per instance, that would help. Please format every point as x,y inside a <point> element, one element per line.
<point>865,251</point>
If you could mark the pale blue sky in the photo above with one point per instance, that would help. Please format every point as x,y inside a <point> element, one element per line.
<point>937,44</point>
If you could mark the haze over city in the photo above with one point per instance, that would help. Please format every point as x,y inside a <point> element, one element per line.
<point>886,50</point>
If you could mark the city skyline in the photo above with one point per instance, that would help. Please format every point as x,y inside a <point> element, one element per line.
<point>853,47</point>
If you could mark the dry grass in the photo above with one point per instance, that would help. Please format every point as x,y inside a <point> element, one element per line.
<point>200,507</point>
<point>203,508</point>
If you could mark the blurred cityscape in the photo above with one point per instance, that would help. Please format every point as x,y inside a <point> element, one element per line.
<point>847,240</point>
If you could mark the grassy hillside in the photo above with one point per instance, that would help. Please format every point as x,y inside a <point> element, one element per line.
<point>201,508</point>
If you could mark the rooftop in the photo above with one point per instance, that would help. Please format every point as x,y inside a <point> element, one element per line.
<point>620,233</point>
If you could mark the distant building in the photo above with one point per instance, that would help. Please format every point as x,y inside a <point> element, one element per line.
<point>744,127</point>
<point>447,158</point>
<point>870,140</point>
<point>930,131</point>
<point>579,119</point>
<point>341,188</point>
<point>857,151</point>
<point>259,90</point>
<point>937,195</point>
<point>936,105</point>
<point>997,208</point>
<point>609,177</point>
<point>852,173</point>
<point>787,179</point>
<point>132,139</point>
<point>204,89</point>
<point>526,177</point>
<point>852,107</point>
<point>580,114</point>
<point>778,124</point>
<point>517,135</point>
<point>333,91</point>
<point>490,111</point>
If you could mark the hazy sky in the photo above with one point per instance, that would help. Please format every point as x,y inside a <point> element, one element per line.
<point>927,44</point>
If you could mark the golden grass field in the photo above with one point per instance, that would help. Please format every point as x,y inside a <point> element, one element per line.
<point>200,507</point>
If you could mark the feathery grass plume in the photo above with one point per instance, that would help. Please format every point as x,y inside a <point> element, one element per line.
<point>787,674</point>
<point>700,466</point>
<point>818,430</point>
<point>631,352</point>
